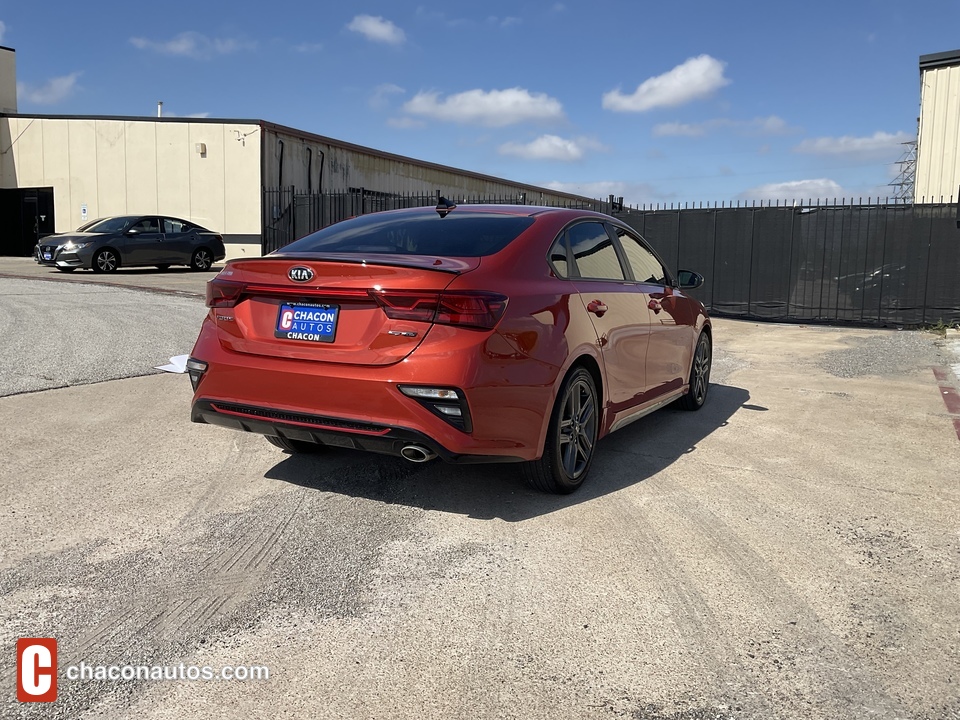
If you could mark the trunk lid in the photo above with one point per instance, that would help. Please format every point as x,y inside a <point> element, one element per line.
<point>342,309</point>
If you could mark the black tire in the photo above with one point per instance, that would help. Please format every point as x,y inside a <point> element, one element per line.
<point>293,446</point>
<point>106,261</point>
<point>699,374</point>
<point>571,443</point>
<point>163,266</point>
<point>66,270</point>
<point>202,259</point>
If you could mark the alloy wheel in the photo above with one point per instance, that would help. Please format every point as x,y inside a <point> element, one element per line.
<point>701,370</point>
<point>699,375</point>
<point>202,260</point>
<point>106,261</point>
<point>578,428</point>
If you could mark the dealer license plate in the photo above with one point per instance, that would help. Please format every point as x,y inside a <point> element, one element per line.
<point>304,321</point>
<point>48,256</point>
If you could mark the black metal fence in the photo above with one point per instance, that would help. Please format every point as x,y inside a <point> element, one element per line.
<point>884,264</point>
<point>289,215</point>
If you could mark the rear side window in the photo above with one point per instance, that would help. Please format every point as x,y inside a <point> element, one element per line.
<point>463,235</point>
<point>558,257</point>
<point>594,253</point>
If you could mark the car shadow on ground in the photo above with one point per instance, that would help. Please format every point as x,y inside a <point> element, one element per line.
<point>625,458</point>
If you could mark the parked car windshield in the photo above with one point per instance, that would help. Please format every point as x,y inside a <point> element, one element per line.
<point>464,235</point>
<point>110,225</point>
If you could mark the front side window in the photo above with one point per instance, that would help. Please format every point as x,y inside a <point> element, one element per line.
<point>594,253</point>
<point>646,268</point>
<point>147,225</point>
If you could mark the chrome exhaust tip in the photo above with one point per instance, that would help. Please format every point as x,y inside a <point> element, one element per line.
<point>417,453</point>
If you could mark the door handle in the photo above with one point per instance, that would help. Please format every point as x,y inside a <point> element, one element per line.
<point>597,307</point>
<point>654,305</point>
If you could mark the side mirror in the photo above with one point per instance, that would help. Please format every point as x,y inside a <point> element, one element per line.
<point>689,280</point>
<point>131,232</point>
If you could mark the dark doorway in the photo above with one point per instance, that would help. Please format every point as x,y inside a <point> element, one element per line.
<point>27,217</point>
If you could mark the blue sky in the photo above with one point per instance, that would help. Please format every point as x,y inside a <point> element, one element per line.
<point>656,102</point>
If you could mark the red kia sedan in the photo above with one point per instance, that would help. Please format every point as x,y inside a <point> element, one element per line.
<point>480,333</point>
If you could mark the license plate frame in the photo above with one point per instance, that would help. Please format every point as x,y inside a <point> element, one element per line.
<point>307,322</point>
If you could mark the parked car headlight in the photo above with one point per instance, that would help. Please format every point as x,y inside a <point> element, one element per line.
<point>70,245</point>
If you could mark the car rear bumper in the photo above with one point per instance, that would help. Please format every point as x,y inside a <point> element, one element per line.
<point>333,432</point>
<point>362,407</point>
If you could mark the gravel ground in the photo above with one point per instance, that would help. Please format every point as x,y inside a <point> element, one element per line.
<point>887,352</point>
<point>789,552</point>
<point>57,334</point>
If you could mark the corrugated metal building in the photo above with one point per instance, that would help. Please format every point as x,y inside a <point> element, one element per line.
<point>57,171</point>
<point>938,143</point>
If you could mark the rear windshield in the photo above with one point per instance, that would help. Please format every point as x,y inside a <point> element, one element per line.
<point>464,235</point>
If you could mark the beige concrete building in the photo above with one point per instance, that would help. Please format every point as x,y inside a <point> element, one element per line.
<point>938,143</point>
<point>8,80</point>
<point>58,172</point>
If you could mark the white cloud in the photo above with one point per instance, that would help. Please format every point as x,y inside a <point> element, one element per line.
<point>377,29</point>
<point>193,45</point>
<point>496,108</point>
<point>878,145</point>
<point>771,125</point>
<point>632,193</point>
<point>676,129</point>
<point>437,18</point>
<point>504,21</point>
<point>551,147</point>
<point>823,188</point>
<point>381,95</point>
<point>51,92</point>
<point>405,123</point>
<point>308,48</point>
<point>694,79</point>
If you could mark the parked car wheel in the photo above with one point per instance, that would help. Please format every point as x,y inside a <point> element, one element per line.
<point>105,261</point>
<point>293,446</point>
<point>164,266</point>
<point>699,375</point>
<point>202,259</point>
<point>571,439</point>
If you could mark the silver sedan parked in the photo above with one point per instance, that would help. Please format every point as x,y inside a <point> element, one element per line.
<point>130,241</point>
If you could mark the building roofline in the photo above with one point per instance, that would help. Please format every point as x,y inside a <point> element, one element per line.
<point>4,47</point>
<point>941,59</point>
<point>135,118</point>
<point>419,163</point>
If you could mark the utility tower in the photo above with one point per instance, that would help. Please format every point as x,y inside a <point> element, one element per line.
<point>903,183</point>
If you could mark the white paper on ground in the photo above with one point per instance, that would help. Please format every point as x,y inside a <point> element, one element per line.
<point>177,364</point>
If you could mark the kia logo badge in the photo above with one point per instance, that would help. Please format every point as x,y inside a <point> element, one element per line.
<point>300,274</point>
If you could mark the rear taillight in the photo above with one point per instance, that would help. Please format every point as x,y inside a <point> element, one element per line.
<point>465,309</point>
<point>223,293</point>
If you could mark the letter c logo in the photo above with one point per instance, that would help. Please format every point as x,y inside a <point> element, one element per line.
<point>36,669</point>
